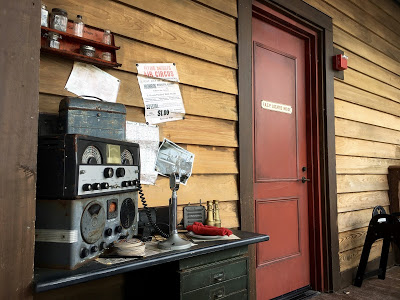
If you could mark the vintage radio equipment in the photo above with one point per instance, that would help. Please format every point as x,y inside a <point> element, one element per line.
<point>94,118</point>
<point>72,166</point>
<point>71,232</point>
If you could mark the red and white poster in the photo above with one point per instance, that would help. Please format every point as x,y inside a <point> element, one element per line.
<point>159,85</point>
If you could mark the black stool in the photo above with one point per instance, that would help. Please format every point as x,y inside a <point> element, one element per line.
<point>381,226</point>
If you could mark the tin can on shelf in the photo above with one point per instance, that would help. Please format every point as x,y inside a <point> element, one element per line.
<point>87,50</point>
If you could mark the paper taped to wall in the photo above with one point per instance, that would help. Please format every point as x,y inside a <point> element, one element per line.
<point>162,97</point>
<point>147,136</point>
<point>88,80</point>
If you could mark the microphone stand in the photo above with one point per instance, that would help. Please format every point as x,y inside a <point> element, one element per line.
<point>174,242</point>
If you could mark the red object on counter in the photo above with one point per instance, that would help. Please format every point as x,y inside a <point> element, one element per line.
<point>199,228</point>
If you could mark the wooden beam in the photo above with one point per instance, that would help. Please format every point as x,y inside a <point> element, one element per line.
<point>355,219</point>
<point>192,71</point>
<point>355,45</point>
<point>364,34</point>
<point>372,85</point>
<point>19,62</point>
<point>223,187</point>
<point>363,165</point>
<point>356,147</point>
<point>351,258</point>
<point>362,114</point>
<point>151,29</point>
<point>361,183</point>
<point>366,19</point>
<point>352,239</point>
<point>191,14</point>
<point>352,129</point>
<point>197,101</point>
<point>363,200</point>
<point>227,6</point>
<point>369,68</point>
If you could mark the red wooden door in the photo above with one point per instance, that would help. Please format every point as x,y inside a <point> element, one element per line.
<point>280,160</point>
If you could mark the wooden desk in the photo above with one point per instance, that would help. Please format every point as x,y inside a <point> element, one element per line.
<point>214,267</point>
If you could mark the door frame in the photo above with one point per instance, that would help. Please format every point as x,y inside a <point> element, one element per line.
<point>325,273</point>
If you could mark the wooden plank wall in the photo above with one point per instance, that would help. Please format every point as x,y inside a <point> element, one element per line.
<point>367,111</point>
<point>200,37</point>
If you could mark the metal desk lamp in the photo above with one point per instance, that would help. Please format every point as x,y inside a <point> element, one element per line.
<point>174,242</point>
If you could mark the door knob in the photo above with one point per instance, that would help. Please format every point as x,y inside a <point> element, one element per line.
<point>303,179</point>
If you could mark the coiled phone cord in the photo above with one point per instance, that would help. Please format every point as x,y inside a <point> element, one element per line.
<point>148,213</point>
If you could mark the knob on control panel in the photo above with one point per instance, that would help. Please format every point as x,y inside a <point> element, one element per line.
<point>118,229</point>
<point>87,187</point>
<point>125,183</point>
<point>84,252</point>
<point>96,186</point>
<point>120,172</point>
<point>108,172</point>
<point>103,245</point>
<point>108,232</point>
<point>105,185</point>
<point>94,249</point>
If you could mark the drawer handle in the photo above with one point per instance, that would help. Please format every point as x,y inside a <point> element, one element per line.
<point>219,277</point>
<point>218,293</point>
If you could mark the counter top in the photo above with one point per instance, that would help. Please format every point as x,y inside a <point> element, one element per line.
<point>48,279</point>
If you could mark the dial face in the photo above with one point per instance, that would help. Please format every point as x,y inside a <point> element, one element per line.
<point>92,222</point>
<point>127,214</point>
<point>91,156</point>
<point>126,157</point>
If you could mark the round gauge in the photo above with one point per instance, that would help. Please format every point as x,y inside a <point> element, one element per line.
<point>127,214</point>
<point>92,222</point>
<point>126,157</point>
<point>91,156</point>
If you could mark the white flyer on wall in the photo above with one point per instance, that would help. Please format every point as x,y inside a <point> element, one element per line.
<point>162,98</point>
<point>147,136</point>
<point>90,81</point>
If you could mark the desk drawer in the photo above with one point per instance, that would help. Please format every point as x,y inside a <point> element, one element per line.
<point>232,289</point>
<point>199,277</point>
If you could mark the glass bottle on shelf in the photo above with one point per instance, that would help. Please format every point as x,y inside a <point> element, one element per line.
<point>78,26</point>
<point>44,16</point>
<point>59,19</point>
<point>107,37</point>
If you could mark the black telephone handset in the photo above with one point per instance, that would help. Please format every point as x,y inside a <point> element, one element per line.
<point>148,213</point>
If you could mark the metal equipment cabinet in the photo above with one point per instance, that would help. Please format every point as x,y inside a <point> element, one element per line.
<point>218,275</point>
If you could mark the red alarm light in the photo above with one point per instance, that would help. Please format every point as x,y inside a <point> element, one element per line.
<point>340,62</point>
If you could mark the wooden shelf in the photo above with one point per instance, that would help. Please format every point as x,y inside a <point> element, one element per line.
<point>70,45</point>
<point>80,57</point>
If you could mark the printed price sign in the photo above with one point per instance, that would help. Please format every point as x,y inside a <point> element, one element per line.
<point>160,92</point>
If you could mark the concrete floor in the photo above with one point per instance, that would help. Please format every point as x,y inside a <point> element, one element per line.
<point>372,288</point>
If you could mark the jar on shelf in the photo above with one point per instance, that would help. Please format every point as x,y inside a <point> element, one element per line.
<point>107,37</point>
<point>79,26</point>
<point>59,19</point>
<point>44,16</point>
<point>106,56</point>
<point>52,40</point>
<point>88,50</point>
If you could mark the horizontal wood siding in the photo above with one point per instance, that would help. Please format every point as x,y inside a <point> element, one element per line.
<point>367,111</point>
<point>200,38</point>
